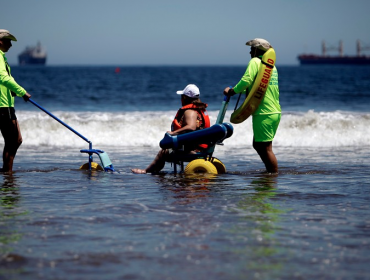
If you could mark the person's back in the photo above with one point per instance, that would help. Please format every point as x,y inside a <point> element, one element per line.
<point>270,103</point>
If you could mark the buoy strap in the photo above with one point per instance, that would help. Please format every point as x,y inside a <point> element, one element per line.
<point>268,65</point>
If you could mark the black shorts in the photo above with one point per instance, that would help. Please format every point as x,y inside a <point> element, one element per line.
<point>7,113</point>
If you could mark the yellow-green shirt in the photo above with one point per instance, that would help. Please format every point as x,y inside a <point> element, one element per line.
<point>270,103</point>
<point>8,84</point>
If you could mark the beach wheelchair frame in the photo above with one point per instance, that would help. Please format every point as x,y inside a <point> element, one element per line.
<point>200,162</point>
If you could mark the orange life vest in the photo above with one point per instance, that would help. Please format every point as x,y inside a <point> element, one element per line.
<point>202,119</point>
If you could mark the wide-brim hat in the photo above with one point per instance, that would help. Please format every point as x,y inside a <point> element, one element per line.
<point>5,34</point>
<point>259,43</point>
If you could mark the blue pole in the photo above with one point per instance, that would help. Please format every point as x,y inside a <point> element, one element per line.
<point>221,114</point>
<point>63,123</point>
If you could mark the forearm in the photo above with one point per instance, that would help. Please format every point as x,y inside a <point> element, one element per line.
<point>245,82</point>
<point>186,128</point>
<point>8,81</point>
<point>11,84</point>
<point>241,87</point>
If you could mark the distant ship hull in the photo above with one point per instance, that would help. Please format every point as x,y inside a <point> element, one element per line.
<point>349,60</point>
<point>29,60</point>
<point>33,56</point>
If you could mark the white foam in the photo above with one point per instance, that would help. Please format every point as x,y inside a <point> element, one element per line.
<point>313,129</point>
<point>324,129</point>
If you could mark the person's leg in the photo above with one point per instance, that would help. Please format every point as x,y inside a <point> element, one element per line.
<point>157,164</point>
<point>264,150</point>
<point>264,130</point>
<point>12,140</point>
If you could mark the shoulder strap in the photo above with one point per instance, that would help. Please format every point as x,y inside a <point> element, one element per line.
<point>6,67</point>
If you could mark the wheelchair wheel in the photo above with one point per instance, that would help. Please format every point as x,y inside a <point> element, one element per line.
<point>221,169</point>
<point>200,166</point>
<point>94,166</point>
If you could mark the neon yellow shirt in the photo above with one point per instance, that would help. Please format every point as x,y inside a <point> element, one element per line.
<point>270,103</point>
<point>8,84</point>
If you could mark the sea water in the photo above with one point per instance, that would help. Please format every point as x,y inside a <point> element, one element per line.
<point>312,220</point>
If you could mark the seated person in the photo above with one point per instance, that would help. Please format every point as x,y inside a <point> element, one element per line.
<point>190,117</point>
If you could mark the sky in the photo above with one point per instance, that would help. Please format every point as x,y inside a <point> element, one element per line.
<point>189,32</point>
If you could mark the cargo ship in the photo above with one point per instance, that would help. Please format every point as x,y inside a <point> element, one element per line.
<point>314,59</point>
<point>33,56</point>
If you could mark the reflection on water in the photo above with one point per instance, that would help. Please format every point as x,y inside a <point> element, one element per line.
<point>188,188</point>
<point>9,199</point>
<point>9,192</point>
<point>257,221</point>
<point>260,218</point>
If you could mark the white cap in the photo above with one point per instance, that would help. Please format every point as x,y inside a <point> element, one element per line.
<point>259,43</point>
<point>190,90</point>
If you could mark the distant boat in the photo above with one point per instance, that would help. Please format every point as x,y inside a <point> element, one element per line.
<point>359,59</point>
<point>33,55</point>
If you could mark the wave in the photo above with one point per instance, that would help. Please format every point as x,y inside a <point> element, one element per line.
<point>309,129</point>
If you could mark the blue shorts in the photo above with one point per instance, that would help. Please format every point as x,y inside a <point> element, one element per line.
<point>265,127</point>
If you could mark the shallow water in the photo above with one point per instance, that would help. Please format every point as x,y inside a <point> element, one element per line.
<point>310,221</point>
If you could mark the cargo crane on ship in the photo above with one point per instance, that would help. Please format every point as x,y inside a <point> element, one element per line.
<point>359,59</point>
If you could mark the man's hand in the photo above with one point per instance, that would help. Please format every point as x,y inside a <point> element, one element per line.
<point>26,96</point>
<point>229,91</point>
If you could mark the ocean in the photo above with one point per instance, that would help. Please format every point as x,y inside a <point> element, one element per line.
<point>311,221</point>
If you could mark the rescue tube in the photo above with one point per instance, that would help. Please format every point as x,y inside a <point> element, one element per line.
<point>213,134</point>
<point>200,166</point>
<point>221,169</point>
<point>94,166</point>
<point>258,90</point>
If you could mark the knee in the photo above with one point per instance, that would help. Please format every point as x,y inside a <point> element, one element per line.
<point>14,145</point>
<point>259,147</point>
<point>161,153</point>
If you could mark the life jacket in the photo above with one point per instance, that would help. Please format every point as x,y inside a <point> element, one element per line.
<point>202,119</point>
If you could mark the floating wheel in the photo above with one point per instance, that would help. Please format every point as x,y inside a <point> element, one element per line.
<point>200,166</point>
<point>94,166</point>
<point>221,169</point>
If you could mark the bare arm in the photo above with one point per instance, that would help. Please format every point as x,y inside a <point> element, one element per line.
<point>190,120</point>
